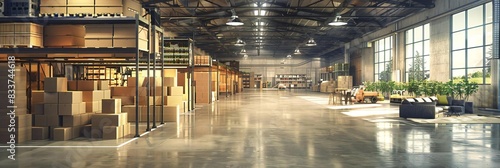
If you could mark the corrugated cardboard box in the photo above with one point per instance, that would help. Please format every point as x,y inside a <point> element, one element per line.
<point>37,96</point>
<point>151,81</point>
<point>101,120</point>
<point>69,109</point>
<point>89,96</point>
<point>63,41</point>
<point>83,85</point>
<point>103,85</point>
<point>175,91</point>
<point>173,100</point>
<point>51,109</point>
<point>76,131</point>
<point>85,118</point>
<point>63,133</point>
<point>108,3</point>
<point>131,81</point>
<point>126,100</point>
<point>40,133</point>
<point>53,3</point>
<point>37,109</point>
<point>52,85</point>
<point>54,120</point>
<point>40,120</point>
<point>170,81</point>
<point>111,106</point>
<point>106,94</point>
<point>111,132</point>
<point>127,91</point>
<point>99,31</point>
<point>71,120</point>
<point>82,2</point>
<point>70,97</point>
<point>52,98</point>
<point>93,106</point>
<point>143,100</point>
<point>86,131</point>
<point>21,121</point>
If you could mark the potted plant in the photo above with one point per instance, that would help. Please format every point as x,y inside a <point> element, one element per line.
<point>469,89</point>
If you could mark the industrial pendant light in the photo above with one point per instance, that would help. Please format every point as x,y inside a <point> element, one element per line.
<point>297,51</point>
<point>240,43</point>
<point>234,21</point>
<point>243,51</point>
<point>311,42</point>
<point>337,22</point>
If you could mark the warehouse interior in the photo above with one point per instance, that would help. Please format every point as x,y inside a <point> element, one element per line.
<point>249,83</point>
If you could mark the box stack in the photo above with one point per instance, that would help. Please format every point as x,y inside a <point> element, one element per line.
<point>93,92</point>
<point>98,7</point>
<point>70,36</point>
<point>345,82</point>
<point>182,81</point>
<point>170,113</point>
<point>63,114</point>
<point>112,123</point>
<point>19,114</point>
<point>323,86</point>
<point>21,35</point>
<point>115,35</point>
<point>202,60</point>
<point>331,87</point>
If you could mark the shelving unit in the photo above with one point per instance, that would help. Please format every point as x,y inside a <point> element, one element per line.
<point>248,80</point>
<point>258,81</point>
<point>178,51</point>
<point>297,81</point>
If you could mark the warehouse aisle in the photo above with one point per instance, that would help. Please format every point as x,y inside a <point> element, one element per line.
<point>287,129</point>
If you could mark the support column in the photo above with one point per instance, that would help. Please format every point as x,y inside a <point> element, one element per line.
<point>496,48</point>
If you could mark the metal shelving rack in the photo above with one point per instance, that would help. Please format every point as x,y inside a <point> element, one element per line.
<point>133,56</point>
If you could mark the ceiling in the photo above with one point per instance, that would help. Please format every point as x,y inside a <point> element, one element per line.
<point>276,28</point>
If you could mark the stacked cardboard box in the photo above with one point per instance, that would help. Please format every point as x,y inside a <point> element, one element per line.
<point>21,34</point>
<point>93,92</point>
<point>112,123</point>
<point>125,7</point>
<point>21,129</point>
<point>170,113</point>
<point>344,82</point>
<point>202,60</point>
<point>202,87</point>
<point>115,35</point>
<point>64,36</point>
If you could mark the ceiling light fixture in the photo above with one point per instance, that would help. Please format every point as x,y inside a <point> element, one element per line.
<point>245,56</point>
<point>337,22</point>
<point>234,21</point>
<point>240,43</point>
<point>311,42</point>
<point>289,56</point>
<point>297,51</point>
<point>243,51</point>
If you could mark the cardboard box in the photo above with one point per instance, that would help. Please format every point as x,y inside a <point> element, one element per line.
<point>109,3</point>
<point>51,109</point>
<point>54,121</point>
<point>40,120</point>
<point>143,100</point>
<point>86,131</point>
<point>63,133</point>
<point>99,42</point>
<point>152,81</point>
<point>85,118</point>
<point>173,100</point>
<point>127,91</point>
<point>111,106</point>
<point>37,109</point>
<point>39,133</point>
<point>52,98</point>
<point>70,109</point>
<point>70,97</point>
<point>81,2</point>
<point>103,85</point>
<point>83,85</point>
<point>63,41</point>
<point>76,131</point>
<point>96,31</point>
<point>126,100</point>
<point>89,96</point>
<point>53,85</point>
<point>83,107</point>
<point>93,106</point>
<point>169,81</point>
<point>53,3</point>
<point>106,94</point>
<point>131,81</point>
<point>37,96</point>
<point>111,132</point>
<point>21,121</point>
<point>65,30</point>
<point>71,120</point>
<point>175,91</point>
<point>101,120</point>
<point>126,129</point>
<point>170,113</point>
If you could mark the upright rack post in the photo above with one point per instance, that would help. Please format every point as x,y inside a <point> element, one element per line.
<point>137,75</point>
<point>153,51</point>
<point>162,77</point>
<point>148,83</point>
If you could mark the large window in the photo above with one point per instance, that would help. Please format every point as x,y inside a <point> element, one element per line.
<point>383,59</point>
<point>417,53</point>
<point>471,44</point>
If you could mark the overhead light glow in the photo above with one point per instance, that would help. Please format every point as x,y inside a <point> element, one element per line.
<point>311,42</point>
<point>297,51</point>
<point>240,43</point>
<point>337,22</point>
<point>234,21</point>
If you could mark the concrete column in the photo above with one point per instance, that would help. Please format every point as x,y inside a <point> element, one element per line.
<point>496,47</point>
<point>347,60</point>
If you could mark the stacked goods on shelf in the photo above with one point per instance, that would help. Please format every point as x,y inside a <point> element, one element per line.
<point>63,115</point>
<point>96,8</point>
<point>68,36</point>
<point>344,82</point>
<point>93,92</point>
<point>202,60</point>
<point>177,51</point>
<point>331,87</point>
<point>115,35</point>
<point>19,8</point>
<point>182,81</point>
<point>111,123</point>
<point>21,35</point>
<point>21,129</point>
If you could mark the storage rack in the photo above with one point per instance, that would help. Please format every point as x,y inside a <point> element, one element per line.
<point>248,80</point>
<point>297,81</point>
<point>258,81</point>
<point>131,56</point>
<point>203,79</point>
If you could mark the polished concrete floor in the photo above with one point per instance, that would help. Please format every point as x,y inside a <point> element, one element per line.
<point>286,129</point>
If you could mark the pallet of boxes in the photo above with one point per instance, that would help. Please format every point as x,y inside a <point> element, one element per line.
<point>15,123</point>
<point>172,99</point>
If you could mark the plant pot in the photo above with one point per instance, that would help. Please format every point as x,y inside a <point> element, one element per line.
<point>469,107</point>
